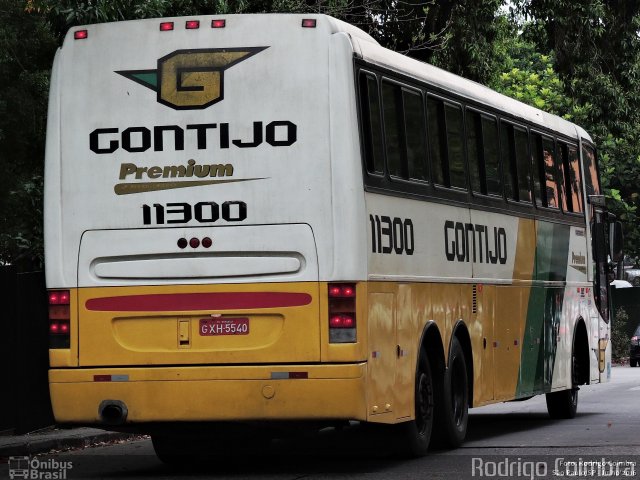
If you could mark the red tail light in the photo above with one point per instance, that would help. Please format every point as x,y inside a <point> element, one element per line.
<point>80,34</point>
<point>342,313</point>
<point>166,26</point>
<point>192,24</point>
<point>309,23</point>
<point>59,318</point>
<point>219,23</point>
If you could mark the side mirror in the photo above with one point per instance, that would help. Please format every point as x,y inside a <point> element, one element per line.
<point>616,239</point>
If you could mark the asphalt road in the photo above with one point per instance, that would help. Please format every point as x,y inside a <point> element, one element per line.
<point>510,440</point>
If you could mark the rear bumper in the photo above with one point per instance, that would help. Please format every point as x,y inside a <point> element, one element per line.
<point>234,393</point>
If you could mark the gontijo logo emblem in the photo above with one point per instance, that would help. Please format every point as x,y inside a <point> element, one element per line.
<point>191,79</point>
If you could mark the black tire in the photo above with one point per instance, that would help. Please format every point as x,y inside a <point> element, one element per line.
<point>196,448</point>
<point>414,436</point>
<point>633,362</point>
<point>562,404</point>
<point>452,401</point>
<point>636,282</point>
<point>173,450</point>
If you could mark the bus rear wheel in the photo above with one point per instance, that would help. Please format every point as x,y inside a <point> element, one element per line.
<point>562,404</point>
<point>414,436</point>
<point>452,402</point>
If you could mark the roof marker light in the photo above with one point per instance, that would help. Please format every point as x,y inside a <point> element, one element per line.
<point>166,26</point>
<point>80,34</point>
<point>309,23</point>
<point>192,24</point>
<point>219,23</point>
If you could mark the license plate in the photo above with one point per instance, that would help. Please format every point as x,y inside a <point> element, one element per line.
<point>224,326</point>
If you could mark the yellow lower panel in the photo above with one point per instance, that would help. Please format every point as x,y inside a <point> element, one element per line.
<point>212,393</point>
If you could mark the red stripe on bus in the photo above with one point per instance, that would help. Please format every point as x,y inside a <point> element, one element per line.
<point>197,301</point>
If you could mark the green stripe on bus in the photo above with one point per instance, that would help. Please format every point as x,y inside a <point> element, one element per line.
<point>539,340</point>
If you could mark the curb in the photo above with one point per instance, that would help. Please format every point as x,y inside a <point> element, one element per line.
<point>27,447</point>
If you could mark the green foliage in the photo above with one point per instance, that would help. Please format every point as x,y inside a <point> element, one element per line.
<point>24,85</point>
<point>533,80</point>
<point>597,56</point>
<point>619,337</point>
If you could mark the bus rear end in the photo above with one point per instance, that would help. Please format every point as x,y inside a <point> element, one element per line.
<point>190,222</point>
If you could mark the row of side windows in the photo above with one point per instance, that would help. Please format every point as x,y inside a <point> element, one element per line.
<point>417,137</point>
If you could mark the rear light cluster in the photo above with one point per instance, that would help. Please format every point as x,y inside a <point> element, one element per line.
<point>192,24</point>
<point>59,318</point>
<point>195,242</point>
<point>342,313</point>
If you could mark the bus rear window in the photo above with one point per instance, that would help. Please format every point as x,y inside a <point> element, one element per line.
<point>371,125</point>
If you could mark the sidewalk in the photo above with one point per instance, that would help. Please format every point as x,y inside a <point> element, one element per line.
<point>45,440</point>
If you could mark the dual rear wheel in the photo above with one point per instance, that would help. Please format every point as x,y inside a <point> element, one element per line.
<point>441,405</point>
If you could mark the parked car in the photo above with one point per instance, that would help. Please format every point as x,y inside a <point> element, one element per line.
<point>634,349</point>
<point>621,284</point>
<point>632,275</point>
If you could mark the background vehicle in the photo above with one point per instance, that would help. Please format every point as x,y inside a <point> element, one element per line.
<point>272,219</point>
<point>634,349</point>
<point>632,275</point>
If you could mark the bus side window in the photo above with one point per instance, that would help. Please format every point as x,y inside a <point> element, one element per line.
<point>591,183</point>
<point>474,149</point>
<point>574,179</point>
<point>563,177</point>
<point>507,154</point>
<point>544,178</point>
<point>437,144</point>
<point>394,141</point>
<point>483,153</point>
<point>372,127</point>
<point>416,135</point>
<point>550,180</point>
<point>491,155</point>
<point>538,169</point>
<point>521,143</point>
<point>455,146</point>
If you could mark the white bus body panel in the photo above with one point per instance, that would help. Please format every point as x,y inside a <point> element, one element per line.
<point>88,191</point>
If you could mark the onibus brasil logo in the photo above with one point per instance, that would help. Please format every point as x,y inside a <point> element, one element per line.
<point>191,79</point>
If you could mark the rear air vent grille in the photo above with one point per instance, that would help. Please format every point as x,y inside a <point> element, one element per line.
<point>474,299</point>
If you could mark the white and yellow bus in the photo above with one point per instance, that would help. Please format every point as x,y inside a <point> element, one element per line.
<point>267,219</point>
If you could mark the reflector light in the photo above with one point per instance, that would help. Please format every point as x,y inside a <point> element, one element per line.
<point>59,328</point>
<point>194,242</point>
<point>298,375</point>
<point>102,378</point>
<point>309,23</point>
<point>59,297</point>
<point>220,23</point>
<point>182,243</point>
<point>166,26</point>
<point>80,34</point>
<point>207,242</point>
<point>342,291</point>
<point>192,24</point>
<point>341,321</point>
